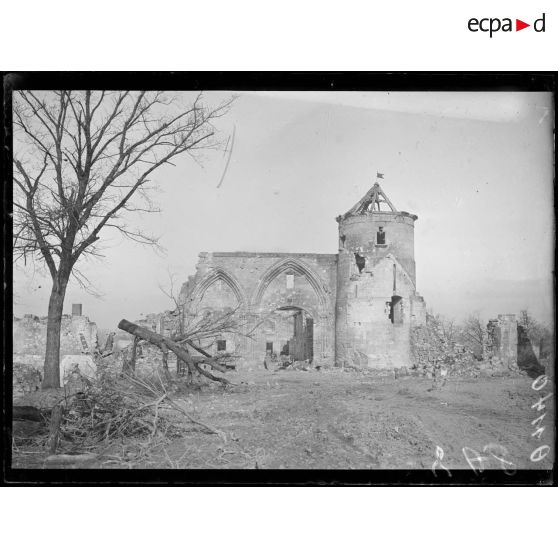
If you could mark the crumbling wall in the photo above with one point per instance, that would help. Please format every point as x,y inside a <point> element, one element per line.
<point>77,335</point>
<point>375,311</point>
<point>259,283</point>
<point>507,349</point>
<point>165,323</point>
<point>501,340</point>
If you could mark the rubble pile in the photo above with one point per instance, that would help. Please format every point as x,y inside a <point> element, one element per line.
<point>148,360</point>
<point>433,352</point>
<point>26,379</point>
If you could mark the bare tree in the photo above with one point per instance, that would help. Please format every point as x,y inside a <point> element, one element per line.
<point>474,334</point>
<point>82,160</point>
<point>536,331</point>
<point>443,329</point>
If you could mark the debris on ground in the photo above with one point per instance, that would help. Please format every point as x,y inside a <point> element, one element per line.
<point>108,409</point>
<point>335,418</point>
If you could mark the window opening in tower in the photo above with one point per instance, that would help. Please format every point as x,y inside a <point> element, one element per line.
<point>381,236</point>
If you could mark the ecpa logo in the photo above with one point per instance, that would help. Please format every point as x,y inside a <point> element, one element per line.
<point>494,24</point>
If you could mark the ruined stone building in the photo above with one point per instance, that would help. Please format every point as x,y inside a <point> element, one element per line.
<point>355,307</point>
<point>78,335</point>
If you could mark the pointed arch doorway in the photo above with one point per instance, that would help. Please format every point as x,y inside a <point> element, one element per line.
<point>290,334</point>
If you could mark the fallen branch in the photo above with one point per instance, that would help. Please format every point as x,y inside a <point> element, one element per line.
<point>162,395</point>
<point>209,374</point>
<point>181,352</point>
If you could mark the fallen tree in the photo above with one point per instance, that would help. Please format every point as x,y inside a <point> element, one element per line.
<point>165,344</point>
<point>26,412</point>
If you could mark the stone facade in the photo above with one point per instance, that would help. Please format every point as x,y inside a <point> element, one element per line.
<point>353,308</point>
<point>267,289</point>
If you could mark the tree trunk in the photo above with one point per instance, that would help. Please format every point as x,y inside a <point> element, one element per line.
<point>54,433</point>
<point>134,354</point>
<point>165,352</point>
<point>51,378</point>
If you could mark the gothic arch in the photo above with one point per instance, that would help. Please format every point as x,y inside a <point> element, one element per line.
<point>218,274</point>
<point>290,264</point>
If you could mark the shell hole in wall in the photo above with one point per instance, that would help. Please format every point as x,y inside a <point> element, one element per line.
<point>360,262</point>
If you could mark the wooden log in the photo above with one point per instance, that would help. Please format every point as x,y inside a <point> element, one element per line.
<point>54,434</point>
<point>129,364</point>
<point>25,412</point>
<point>134,354</point>
<point>209,356</point>
<point>199,349</point>
<point>181,352</point>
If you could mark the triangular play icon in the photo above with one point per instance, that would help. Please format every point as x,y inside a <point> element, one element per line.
<point>519,25</point>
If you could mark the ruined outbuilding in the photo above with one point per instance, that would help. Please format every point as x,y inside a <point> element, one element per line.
<point>353,308</point>
<point>78,335</point>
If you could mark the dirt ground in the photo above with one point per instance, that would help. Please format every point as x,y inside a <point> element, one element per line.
<point>333,419</point>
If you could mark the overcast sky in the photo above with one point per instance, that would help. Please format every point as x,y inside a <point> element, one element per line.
<point>475,167</point>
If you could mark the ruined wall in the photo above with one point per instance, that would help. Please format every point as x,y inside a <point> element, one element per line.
<point>260,283</point>
<point>501,340</point>
<point>377,302</point>
<point>526,358</point>
<point>78,335</point>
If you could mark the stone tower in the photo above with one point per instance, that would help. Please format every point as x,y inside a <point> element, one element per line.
<point>377,301</point>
